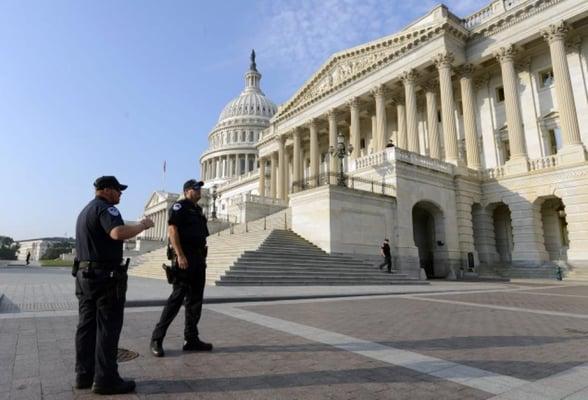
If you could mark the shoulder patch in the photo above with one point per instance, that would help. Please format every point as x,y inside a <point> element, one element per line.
<point>176,206</point>
<point>113,211</point>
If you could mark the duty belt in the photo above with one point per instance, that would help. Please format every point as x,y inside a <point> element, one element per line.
<point>101,264</point>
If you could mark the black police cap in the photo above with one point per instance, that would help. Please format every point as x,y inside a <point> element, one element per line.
<point>108,182</point>
<point>193,184</point>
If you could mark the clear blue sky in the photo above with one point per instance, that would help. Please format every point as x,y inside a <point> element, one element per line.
<point>90,88</point>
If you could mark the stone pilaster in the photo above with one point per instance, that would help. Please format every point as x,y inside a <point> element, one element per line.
<point>261,188</point>
<point>332,117</point>
<point>527,233</point>
<point>401,117</point>
<point>297,160</point>
<point>443,62</point>
<point>432,123</point>
<point>287,176</point>
<point>408,79</point>
<point>274,175</point>
<point>314,151</point>
<point>573,150</point>
<point>281,168</point>
<point>354,131</point>
<point>380,139</point>
<point>469,116</point>
<point>514,121</point>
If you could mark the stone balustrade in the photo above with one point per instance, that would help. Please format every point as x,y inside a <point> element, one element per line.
<point>542,163</point>
<point>422,161</point>
<point>494,173</point>
<point>495,8</point>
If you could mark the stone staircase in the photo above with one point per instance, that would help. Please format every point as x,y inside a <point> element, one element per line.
<point>224,248</point>
<point>546,271</point>
<point>286,259</point>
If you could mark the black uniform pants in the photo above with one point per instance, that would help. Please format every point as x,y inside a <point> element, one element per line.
<point>101,310</point>
<point>388,263</point>
<point>188,290</point>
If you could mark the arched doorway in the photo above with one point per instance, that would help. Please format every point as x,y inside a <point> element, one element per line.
<point>555,227</point>
<point>428,234</point>
<point>503,232</point>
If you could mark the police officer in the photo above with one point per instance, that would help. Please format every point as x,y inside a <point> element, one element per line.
<point>101,284</point>
<point>187,232</point>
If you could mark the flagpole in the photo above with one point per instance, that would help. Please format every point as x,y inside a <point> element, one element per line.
<point>164,168</point>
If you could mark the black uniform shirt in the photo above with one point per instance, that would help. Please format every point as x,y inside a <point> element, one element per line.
<point>93,241</point>
<point>191,224</point>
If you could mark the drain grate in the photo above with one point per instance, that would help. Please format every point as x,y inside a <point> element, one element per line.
<point>125,355</point>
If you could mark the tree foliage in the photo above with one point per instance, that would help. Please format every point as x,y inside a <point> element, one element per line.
<point>8,248</point>
<point>56,249</point>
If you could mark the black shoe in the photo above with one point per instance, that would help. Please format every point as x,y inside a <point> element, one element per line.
<point>120,387</point>
<point>157,348</point>
<point>84,382</point>
<point>196,345</point>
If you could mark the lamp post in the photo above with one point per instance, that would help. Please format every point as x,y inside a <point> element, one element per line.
<point>340,151</point>
<point>215,195</point>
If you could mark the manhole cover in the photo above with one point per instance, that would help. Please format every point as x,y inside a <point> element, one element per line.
<point>126,355</point>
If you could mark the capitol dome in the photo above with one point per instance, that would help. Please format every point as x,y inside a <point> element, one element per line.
<point>232,150</point>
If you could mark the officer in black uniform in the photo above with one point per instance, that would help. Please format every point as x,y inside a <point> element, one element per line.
<point>187,232</point>
<point>101,284</point>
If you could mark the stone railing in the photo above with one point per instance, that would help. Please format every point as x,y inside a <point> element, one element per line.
<point>542,163</point>
<point>497,7</point>
<point>252,198</point>
<point>243,177</point>
<point>422,161</point>
<point>493,173</point>
<point>393,154</point>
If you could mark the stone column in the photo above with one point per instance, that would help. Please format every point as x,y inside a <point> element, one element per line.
<point>281,169</point>
<point>261,188</point>
<point>469,116</point>
<point>380,138</point>
<point>315,159</point>
<point>443,62</point>
<point>332,117</point>
<point>287,179</point>
<point>555,35</point>
<point>354,130</point>
<point>401,116</point>
<point>297,161</point>
<point>273,175</point>
<point>432,123</point>
<point>514,120</point>
<point>238,171</point>
<point>408,79</point>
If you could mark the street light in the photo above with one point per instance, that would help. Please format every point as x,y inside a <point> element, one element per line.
<point>215,195</point>
<point>340,151</point>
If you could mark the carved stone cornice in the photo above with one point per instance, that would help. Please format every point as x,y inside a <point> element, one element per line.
<point>466,71</point>
<point>409,77</point>
<point>444,60</point>
<point>556,32</point>
<point>506,54</point>
<point>353,103</point>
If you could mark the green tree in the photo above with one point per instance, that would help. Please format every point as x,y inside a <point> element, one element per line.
<point>8,248</point>
<point>56,249</point>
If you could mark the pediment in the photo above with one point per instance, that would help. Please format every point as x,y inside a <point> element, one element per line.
<point>154,200</point>
<point>345,67</point>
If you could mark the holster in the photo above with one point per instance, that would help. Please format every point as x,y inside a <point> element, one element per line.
<point>75,267</point>
<point>168,273</point>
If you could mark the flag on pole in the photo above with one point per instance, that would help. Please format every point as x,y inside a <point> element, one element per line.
<point>164,165</point>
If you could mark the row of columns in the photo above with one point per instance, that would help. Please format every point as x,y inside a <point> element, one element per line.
<point>407,114</point>
<point>223,166</point>
<point>159,230</point>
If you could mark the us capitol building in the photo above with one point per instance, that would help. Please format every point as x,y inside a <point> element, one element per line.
<point>460,139</point>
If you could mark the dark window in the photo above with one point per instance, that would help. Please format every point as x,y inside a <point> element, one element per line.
<point>499,94</point>
<point>546,78</point>
<point>362,144</point>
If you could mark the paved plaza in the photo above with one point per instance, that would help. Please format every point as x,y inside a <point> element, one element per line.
<point>450,341</point>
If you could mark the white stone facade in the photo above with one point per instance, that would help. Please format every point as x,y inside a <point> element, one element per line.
<point>489,118</point>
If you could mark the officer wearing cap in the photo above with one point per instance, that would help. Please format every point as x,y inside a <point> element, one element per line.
<point>101,284</point>
<point>187,232</point>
